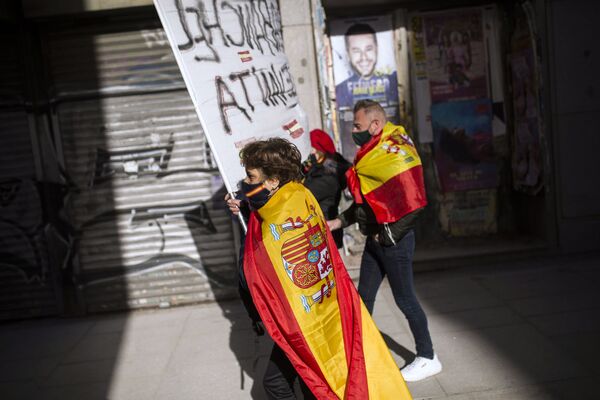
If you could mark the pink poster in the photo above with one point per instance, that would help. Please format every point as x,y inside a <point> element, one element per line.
<point>456,60</point>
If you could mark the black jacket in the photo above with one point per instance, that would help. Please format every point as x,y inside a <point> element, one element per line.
<point>326,182</point>
<point>387,234</point>
<point>243,289</point>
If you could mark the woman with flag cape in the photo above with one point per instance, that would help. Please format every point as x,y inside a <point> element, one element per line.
<point>301,289</point>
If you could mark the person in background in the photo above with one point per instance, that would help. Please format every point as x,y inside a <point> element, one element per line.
<point>387,184</point>
<point>324,175</point>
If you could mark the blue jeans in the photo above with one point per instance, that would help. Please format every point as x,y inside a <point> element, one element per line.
<point>395,262</point>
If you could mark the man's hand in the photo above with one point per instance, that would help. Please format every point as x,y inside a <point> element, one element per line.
<point>306,166</point>
<point>334,224</point>
<point>233,204</point>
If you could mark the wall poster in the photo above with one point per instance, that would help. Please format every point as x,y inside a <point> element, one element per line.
<point>463,145</point>
<point>456,57</point>
<point>364,67</point>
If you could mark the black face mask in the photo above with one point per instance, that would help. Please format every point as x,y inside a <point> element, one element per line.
<point>361,138</point>
<point>257,194</point>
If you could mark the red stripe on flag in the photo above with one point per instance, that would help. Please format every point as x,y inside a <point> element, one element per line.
<point>352,176</point>
<point>407,190</point>
<point>277,315</point>
<point>300,238</point>
<point>357,387</point>
<point>290,249</point>
<point>296,260</point>
<point>370,145</point>
<point>299,253</point>
<point>294,254</point>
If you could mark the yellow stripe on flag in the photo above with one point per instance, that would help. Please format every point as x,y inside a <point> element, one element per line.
<point>314,307</point>
<point>383,376</point>
<point>320,321</point>
<point>393,155</point>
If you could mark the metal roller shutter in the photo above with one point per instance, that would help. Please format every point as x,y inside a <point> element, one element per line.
<point>148,233</point>
<point>27,286</point>
<point>15,146</point>
<point>126,60</point>
<point>11,68</point>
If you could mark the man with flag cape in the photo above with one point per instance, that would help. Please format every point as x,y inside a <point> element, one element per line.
<point>386,182</point>
<point>301,289</point>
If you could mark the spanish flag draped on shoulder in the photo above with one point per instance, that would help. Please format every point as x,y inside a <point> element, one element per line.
<point>309,305</point>
<point>388,168</point>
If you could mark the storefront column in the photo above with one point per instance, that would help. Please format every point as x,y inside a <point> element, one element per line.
<point>300,49</point>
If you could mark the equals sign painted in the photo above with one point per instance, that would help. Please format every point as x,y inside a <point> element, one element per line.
<point>245,56</point>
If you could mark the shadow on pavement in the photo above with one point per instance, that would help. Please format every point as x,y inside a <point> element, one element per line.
<point>522,329</point>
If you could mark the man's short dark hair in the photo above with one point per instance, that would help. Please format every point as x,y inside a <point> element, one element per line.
<point>369,106</point>
<point>359,29</point>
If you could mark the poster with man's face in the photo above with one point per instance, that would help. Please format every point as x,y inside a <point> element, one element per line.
<point>364,67</point>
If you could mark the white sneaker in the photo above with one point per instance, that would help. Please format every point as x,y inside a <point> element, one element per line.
<point>421,368</point>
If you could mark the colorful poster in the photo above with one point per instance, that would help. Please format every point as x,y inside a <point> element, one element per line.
<point>469,213</point>
<point>422,94</point>
<point>419,56</point>
<point>463,145</point>
<point>456,59</point>
<point>364,67</point>
<point>527,153</point>
<point>234,66</point>
<point>527,160</point>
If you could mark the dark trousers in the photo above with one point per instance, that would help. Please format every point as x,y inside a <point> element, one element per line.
<point>395,262</point>
<point>280,377</point>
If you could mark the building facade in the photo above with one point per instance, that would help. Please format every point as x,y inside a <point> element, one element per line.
<point>111,198</point>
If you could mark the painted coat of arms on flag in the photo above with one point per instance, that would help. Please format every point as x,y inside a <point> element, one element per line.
<point>306,258</point>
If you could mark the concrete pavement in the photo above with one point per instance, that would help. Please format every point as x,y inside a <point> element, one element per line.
<point>510,331</point>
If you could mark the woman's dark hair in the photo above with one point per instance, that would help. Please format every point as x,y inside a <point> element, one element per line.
<point>275,157</point>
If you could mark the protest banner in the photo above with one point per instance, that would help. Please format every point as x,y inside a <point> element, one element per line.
<point>231,57</point>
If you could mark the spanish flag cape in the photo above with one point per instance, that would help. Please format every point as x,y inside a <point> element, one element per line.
<point>309,305</point>
<point>388,174</point>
